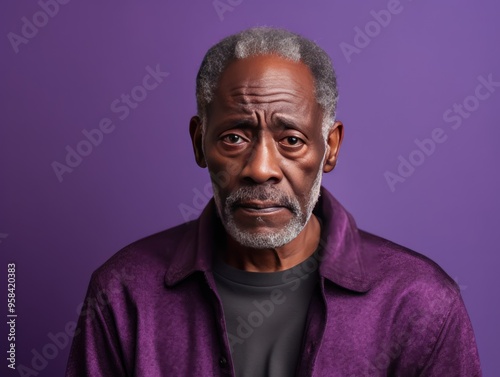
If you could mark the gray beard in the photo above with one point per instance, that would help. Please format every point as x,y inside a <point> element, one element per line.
<point>275,238</point>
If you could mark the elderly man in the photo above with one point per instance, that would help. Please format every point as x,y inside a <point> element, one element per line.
<point>274,278</point>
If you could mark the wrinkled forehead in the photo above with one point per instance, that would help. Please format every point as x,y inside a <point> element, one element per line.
<point>267,70</point>
<point>265,80</point>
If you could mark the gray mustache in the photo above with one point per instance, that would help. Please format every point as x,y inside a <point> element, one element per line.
<point>267,194</point>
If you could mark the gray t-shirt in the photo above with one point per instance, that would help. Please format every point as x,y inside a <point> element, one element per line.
<point>265,315</point>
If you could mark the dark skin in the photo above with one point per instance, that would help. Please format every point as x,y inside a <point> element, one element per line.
<point>264,128</point>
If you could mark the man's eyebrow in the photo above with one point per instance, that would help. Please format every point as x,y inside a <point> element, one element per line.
<point>287,123</point>
<point>237,122</point>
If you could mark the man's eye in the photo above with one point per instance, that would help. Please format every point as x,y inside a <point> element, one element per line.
<point>233,139</point>
<point>292,141</point>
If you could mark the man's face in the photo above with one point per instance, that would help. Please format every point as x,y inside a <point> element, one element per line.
<point>264,148</point>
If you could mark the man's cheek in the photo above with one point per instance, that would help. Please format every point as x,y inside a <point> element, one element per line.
<point>221,179</point>
<point>222,171</point>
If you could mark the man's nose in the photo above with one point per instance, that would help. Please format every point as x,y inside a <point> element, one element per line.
<point>263,164</point>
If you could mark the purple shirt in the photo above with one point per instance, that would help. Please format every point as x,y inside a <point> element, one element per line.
<point>381,310</point>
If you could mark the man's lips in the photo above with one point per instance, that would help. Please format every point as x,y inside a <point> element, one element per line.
<point>260,207</point>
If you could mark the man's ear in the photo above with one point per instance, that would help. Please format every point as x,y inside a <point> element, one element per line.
<point>333,141</point>
<point>195,130</point>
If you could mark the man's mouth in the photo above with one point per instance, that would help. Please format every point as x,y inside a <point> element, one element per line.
<point>259,207</point>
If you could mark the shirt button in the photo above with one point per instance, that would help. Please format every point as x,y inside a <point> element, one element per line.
<point>223,362</point>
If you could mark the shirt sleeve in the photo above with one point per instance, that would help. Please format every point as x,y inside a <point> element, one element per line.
<point>95,350</point>
<point>454,352</point>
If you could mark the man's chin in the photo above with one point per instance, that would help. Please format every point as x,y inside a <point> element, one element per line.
<point>259,240</point>
<point>264,237</point>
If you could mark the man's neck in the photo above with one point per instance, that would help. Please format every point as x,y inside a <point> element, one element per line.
<point>277,259</point>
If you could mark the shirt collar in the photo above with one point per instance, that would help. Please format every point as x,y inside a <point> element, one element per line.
<point>343,259</point>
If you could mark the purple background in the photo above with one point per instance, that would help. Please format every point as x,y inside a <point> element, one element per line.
<point>396,89</point>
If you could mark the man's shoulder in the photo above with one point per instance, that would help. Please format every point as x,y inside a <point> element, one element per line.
<point>406,270</point>
<point>147,257</point>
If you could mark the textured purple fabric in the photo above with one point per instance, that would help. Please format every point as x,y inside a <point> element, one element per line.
<point>380,309</point>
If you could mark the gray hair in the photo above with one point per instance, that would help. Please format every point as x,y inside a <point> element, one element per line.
<point>269,41</point>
